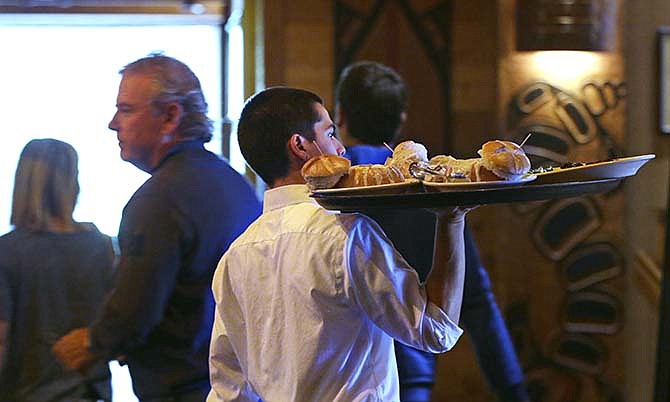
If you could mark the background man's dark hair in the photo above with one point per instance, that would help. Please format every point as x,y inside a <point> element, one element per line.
<point>372,98</point>
<point>268,120</point>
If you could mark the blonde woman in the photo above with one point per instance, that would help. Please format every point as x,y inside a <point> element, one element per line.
<point>54,273</point>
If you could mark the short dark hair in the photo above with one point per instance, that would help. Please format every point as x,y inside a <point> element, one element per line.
<point>268,120</point>
<point>372,97</point>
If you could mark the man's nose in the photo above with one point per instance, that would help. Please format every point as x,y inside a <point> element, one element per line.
<point>112,123</point>
<point>341,150</point>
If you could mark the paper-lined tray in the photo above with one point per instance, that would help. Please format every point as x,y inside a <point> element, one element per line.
<point>477,196</point>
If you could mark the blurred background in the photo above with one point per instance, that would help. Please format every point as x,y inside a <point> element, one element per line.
<point>579,280</point>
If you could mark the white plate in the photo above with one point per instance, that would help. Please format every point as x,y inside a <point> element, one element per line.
<point>614,169</point>
<point>476,185</point>
<point>411,185</point>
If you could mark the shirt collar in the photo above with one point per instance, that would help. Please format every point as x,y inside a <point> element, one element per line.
<point>284,196</point>
<point>178,147</point>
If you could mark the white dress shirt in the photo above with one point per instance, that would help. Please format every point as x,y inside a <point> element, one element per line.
<point>308,302</point>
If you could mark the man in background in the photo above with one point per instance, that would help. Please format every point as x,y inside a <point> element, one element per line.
<point>371,108</point>
<point>174,230</point>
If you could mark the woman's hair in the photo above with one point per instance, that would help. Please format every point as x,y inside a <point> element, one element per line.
<point>175,82</point>
<point>45,186</point>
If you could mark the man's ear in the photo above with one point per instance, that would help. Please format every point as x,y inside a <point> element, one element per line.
<point>173,115</point>
<point>297,147</point>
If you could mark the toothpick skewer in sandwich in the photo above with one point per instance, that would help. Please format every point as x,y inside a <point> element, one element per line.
<point>505,159</point>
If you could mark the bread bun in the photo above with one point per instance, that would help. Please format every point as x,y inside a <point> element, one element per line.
<point>371,175</point>
<point>410,150</point>
<point>505,159</point>
<point>324,171</point>
<point>472,170</point>
<point>406,153</point>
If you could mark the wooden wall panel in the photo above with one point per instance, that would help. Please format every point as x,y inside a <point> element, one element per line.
<point>299,45</point>
<point>411,37</point>
<point>392,42</point>
<point>647,194</point>
<point>474,82</point>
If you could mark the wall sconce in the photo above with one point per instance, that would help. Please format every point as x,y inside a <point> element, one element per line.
<point>587,25</point>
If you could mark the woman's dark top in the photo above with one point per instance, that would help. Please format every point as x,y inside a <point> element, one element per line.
<point>51,283</point>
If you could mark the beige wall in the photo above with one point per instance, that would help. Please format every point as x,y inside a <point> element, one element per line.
<point>647,194</point>
<point>299,45</point>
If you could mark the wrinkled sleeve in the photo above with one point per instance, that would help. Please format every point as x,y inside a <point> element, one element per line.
<point>225,373</point>
<point>383,285</point>
<point>152,239</point>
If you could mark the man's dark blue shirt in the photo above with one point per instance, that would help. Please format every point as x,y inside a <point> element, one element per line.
<point>173,232</point>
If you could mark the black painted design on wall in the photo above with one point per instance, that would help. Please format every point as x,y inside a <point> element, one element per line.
<point>561,123</point>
